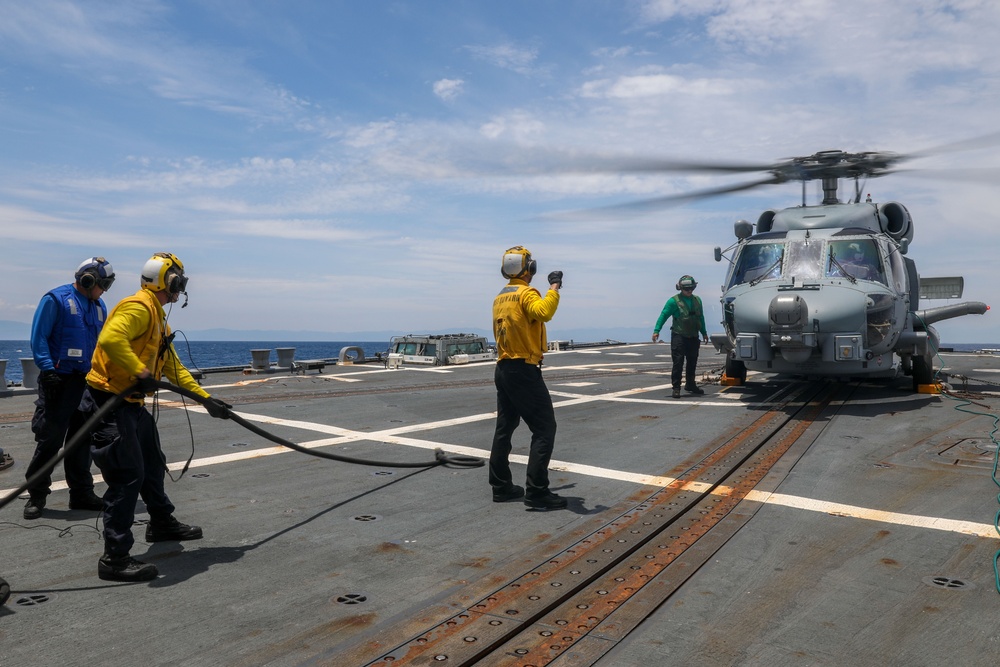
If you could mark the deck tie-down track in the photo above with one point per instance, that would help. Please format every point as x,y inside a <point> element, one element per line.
<point>570,610</point>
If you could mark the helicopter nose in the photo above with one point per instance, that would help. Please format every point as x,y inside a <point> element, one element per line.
<point>789,317</point>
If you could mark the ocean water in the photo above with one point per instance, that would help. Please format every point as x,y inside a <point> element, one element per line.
<point>215,354</point>
<point>210,354</point>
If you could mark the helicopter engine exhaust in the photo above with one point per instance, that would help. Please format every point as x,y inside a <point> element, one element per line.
<point>896,222</point>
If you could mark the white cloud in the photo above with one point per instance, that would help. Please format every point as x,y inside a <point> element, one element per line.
<point>506,56</point>
<point>448,89</point>
<point>651,85</point>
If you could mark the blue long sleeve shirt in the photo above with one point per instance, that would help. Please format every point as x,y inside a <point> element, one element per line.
<point>48,329</point>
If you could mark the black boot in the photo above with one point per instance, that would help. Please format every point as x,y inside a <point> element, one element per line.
<point>506,494</point>
<point>125,568</point>
<point>549,501</point>
<point>33,508</point>
<point>87,500</point>
<point>170,529</point>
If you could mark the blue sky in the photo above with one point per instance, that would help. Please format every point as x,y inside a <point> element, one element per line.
<point>344,166</point>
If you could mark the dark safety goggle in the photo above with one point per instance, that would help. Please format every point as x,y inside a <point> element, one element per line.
<point>105,283</point>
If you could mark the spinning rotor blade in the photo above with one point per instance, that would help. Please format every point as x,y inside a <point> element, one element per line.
<point>651,165</point>
<point>823,165</point>
<point>661,202</point>
<point>984,141</point>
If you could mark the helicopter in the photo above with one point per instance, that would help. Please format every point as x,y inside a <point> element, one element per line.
<point>822,290</point>
<point>826,290</point>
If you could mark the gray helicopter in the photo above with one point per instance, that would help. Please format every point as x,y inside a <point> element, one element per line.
<point>826,290</point>
<point>817,290</point>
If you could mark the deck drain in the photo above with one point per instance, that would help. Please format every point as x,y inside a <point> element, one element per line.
<point>32,600</point>
<point>201,475</point>
<point>367,517</point>
<point>948,583</point>
<point>381,473</point>
<point>239,444</point>
<point>352,598</point>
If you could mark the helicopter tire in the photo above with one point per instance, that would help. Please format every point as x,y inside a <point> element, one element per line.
<point>4,590</point>
<point>923,371</point>
<point>736,370</point>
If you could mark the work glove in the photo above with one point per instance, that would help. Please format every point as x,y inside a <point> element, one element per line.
<point>51,384</point>
<point>555,278</point>
<point>146,385</point>
<point>218,408</point>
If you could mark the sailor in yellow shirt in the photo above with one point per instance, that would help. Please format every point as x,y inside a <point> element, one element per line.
<point>135,344</point>
<point>519,316</point>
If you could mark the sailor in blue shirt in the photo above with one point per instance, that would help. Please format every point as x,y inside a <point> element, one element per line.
<point>63,337</point>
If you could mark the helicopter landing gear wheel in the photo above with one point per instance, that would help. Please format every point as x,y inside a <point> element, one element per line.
<point>923,371</point>
<point>4,590</point>
<point>736,372</point>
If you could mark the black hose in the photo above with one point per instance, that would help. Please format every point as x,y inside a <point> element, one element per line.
<point>440,457</point>
<point>74,442</point>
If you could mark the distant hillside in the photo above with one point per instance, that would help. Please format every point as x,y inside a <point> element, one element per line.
<point>10,330</point>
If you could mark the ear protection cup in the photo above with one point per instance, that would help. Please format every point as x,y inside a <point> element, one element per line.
<point>176,283</point>
<point>163,272</point>
<point>532,266</point>
<point>93,272</point>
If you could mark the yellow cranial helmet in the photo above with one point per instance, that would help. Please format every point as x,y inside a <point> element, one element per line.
<point>517,261</point>
<point>163,272</point>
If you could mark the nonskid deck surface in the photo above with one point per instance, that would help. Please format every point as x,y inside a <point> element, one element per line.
<point>875,547</point>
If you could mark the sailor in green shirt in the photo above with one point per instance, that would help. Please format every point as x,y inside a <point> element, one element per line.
<point>688,320</point>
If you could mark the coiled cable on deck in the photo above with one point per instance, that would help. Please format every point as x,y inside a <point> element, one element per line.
<point>440,457</point>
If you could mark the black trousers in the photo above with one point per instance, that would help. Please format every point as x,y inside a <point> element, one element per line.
<point>683,349</point>
<point>522,394</point>
<point>56,420</point>
<point>126,447</point>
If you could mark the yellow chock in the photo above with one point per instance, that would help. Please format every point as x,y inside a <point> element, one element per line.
<point>933,388</point>
<point>727,381</point>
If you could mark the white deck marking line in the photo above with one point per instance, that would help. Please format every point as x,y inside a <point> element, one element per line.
<point>391,436</point>
<point>598,367</point>
<point>855,512</point>
<point>784,500</point>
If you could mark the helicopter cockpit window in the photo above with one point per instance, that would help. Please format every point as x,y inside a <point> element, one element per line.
<point>854,258</point>
<point>804,259</point>
<point>758,261</point>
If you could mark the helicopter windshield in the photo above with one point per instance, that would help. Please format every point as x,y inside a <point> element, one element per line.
<point>758,261</point>
<point>856,259</point>
<point>809,259</point>
<point>804,259</point>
